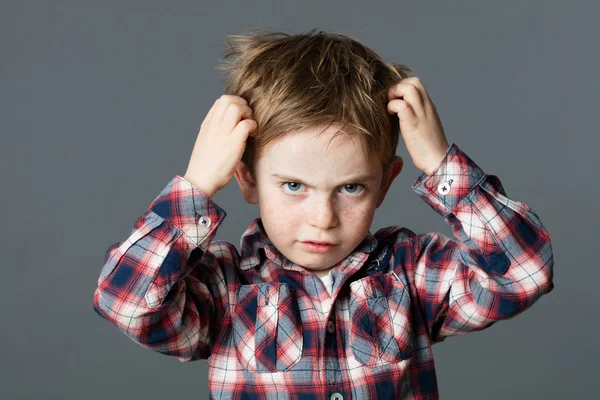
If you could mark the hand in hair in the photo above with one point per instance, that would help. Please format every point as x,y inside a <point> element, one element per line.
<point>220,144</point>
<point>420,124</point>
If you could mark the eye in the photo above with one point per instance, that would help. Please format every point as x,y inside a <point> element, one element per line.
<point>294,187</point>
<point>294,183</point>
<point>358,186</point>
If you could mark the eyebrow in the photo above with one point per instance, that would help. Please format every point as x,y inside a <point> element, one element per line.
<point>352,179</point>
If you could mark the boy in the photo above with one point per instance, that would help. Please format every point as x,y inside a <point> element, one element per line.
<point>309,129</point>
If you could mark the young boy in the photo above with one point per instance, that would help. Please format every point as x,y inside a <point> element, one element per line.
<point>309,129</point>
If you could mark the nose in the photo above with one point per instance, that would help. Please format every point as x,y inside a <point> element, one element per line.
<point>321,212</point>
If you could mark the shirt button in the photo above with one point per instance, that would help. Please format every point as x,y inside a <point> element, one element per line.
<point>204,221</point>
<point>444,188</point>
<point>330,327</point>
<point>337,396</point>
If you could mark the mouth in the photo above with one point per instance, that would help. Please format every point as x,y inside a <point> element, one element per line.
<point>316,247</point>
<point>320,243</point>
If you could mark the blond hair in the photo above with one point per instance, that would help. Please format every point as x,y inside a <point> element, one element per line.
<point>309,80</point>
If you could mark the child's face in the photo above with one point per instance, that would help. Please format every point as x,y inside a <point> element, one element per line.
<point>308,191</point>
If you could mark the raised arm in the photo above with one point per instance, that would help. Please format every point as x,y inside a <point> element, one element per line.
<point>160,286</point>
<point>501,262</point>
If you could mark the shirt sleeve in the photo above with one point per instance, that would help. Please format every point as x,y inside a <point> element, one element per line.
<point>161,286</point>
<point>501,264</point>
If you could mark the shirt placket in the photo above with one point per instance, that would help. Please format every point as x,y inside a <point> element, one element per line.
<point>333,352</point>
<point>333,355</point>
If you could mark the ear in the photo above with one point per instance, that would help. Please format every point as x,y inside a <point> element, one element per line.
<point>393,171</point>
<point>247,184</point>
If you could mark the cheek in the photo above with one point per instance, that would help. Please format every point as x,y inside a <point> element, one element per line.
<point>359,219</point>
<point>364,212</point>
<point>278,222</point>
<point>352,214</point>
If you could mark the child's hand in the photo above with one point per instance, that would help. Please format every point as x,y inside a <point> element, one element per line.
<point>420,124</point>
<point>220,144</point>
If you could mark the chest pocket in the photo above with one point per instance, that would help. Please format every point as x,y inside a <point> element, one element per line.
<point>381,319</point>
<point>267,328</point>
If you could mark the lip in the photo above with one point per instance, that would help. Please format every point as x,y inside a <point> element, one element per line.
<point>317,242</point>
<point>317,248</point>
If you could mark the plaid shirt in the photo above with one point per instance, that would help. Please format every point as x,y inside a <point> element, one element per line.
<point>270,327</point>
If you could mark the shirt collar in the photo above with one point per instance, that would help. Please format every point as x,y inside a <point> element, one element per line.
<point>256,246</point>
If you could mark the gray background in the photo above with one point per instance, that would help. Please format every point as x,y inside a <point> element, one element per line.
<point>100,105</point>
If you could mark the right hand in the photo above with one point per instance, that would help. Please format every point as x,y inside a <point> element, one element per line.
<point>220,143</point>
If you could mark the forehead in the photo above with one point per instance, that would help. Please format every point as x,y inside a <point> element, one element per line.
<point>316,151</point>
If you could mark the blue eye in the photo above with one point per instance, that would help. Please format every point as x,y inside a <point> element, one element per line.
<point>285,183</point>
<point>354,184</point>
<point>354,192</point>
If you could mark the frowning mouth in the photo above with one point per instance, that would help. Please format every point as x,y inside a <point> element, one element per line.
<point>316,247</point>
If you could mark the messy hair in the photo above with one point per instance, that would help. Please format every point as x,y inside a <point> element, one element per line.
<point>311,80</point>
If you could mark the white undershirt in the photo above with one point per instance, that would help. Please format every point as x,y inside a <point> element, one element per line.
<point>328,281</point>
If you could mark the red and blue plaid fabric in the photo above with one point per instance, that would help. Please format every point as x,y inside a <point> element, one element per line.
<point>264,322</point>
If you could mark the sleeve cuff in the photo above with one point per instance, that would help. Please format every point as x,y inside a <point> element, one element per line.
<point>188,209</point>
<point>454,178</point>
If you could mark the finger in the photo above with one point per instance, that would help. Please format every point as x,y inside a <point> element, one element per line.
<point>428,104</point>
<point>415,80</point>
<point>402,108</point>
<point>245,128</point>
<point>223,102</point>
<point>220,108</point>
<point>409,93</point>
<point>234,114</point>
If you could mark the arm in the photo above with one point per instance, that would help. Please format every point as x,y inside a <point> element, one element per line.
<point>501,264</point>
<point>160,286</point>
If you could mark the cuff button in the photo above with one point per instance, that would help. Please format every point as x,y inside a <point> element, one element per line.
<point>444,188</point>
<point>204,220</point>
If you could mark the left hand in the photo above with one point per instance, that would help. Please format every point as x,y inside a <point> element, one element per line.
<point>420,124</point>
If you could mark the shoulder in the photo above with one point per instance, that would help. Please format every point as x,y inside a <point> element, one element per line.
<point>398,241</point>
<point>223,251</point>
<point>395,234</point>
